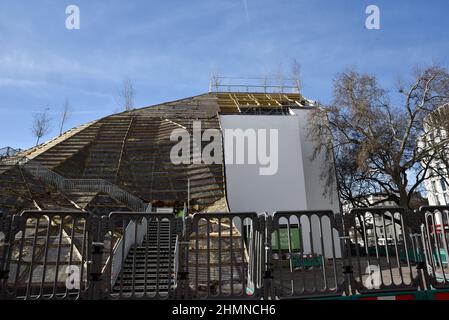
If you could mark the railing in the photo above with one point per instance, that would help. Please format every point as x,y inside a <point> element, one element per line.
<point>12,161</point>
<point>176,262</point>
<point>218,264</point>
<point>69,185</point>
<point>5,226</point>
<point>8,152</point>
<point>46,255</point>
<point>45,174</point>
<point>115,192</point>
<point>143,260</point>
<point>306,254</point>
<point>435,231</point>
<point>133,236</point>
<point>253,88</point>
<point>379,251</point>
<point>290,255</point>
<point>253,85</point>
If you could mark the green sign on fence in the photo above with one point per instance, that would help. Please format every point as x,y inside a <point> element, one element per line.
<point>295,238</point>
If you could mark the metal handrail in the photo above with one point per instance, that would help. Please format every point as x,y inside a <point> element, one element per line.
<point>253,84</point>
<point>176,262</point>
<point>68,185</point>
<point>253,88</point>
<point>8,152</point>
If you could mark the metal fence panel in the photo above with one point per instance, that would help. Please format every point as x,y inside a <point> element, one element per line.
<point>141,255</point>
<point>306,254</point>
<point>379,251</point>
<point>295,254</point>
<point>5,225</point>
<point>226,255</point>
<point>46,257</point>
<point>435,231</point>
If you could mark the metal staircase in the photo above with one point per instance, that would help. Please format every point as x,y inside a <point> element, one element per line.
<point>68,186</point>
<point>149,268</point>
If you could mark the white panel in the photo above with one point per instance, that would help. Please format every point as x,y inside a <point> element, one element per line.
<point>247,189</point>
<point>296,185</point>
<point>315,186</point>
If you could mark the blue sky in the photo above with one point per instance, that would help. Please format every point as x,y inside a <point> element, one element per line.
<point>170,48</point>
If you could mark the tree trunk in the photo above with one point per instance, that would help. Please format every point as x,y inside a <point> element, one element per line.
<point>403,198</point>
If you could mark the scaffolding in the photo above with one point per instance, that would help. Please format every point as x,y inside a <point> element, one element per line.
<point>254,84</point>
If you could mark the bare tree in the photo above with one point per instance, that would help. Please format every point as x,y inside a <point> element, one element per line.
<point>374,142</point>
<point>296,75</point>
<point>125,97</point>
<point>41,125</point>
<point>65,115</point>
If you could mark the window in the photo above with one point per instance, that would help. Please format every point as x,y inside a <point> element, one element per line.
<point>434,187</point>
<point>443,185</point>
<point>446,198</point>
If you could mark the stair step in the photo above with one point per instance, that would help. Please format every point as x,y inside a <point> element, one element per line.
<point>151,257</point>
<point>141,266</point>
<point>152,253</point>
<point>151,273</point>
<point>140,274</point>
<point>153,249</point>
<point>162,281</point>
<point>163,246</point>
<point>149,262</point>
<point>141,288</point>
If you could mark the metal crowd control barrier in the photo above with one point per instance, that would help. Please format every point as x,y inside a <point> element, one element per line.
<point>378,252</point>
<point>225,255</point>
<point>5,225</point>
<point>435,231</point>
<point>306,254</point>
<point>45,256</point>
<point>141,256</point>
<point>298,254</point>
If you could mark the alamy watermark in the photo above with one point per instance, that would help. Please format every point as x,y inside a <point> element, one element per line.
<point>249,146</point>
<point>374,280</point>
<point>72,282</point>
<point>73,20</point>
<point>372,22</point>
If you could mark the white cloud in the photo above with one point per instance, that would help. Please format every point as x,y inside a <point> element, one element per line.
<point>10,82</point>
<point>41,62</point>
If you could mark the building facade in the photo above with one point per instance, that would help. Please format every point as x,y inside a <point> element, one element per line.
<point>437,182</point>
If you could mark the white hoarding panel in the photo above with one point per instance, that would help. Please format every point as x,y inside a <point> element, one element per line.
<point>270,182</point>
<point>278,178</point>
